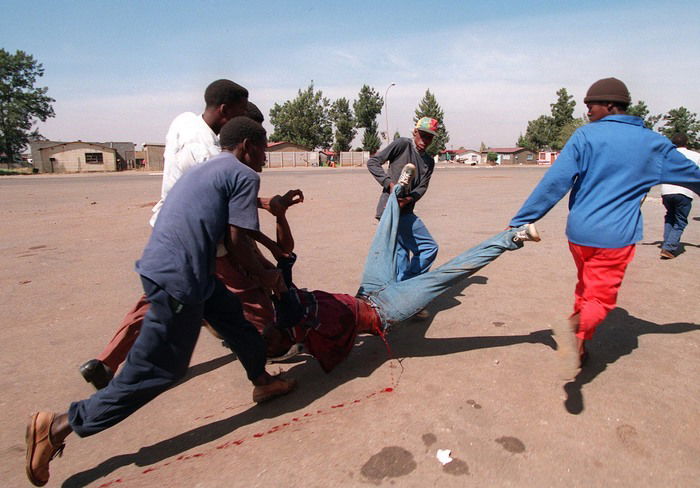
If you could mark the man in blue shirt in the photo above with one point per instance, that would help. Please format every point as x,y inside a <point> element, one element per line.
<point>210,203</point>
<point>609,165</point>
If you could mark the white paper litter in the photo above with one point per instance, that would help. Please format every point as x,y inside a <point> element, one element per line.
<point>443,455</point>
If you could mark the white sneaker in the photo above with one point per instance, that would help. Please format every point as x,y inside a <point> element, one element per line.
<point>294,351</point>
<point>528,233</point>
<point>407,174</point>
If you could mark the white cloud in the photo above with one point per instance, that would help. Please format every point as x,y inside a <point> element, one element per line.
<point>489,77</point>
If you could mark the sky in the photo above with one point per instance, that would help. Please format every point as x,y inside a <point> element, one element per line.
<point>121,70</point>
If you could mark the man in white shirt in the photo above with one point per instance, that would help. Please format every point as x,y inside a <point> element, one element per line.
<point>193,139</point>
<point>678,201</point>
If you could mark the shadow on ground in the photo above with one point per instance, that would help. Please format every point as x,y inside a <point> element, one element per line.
<point>681,245</point>
<point>406,340</point>
<point>617,336</point>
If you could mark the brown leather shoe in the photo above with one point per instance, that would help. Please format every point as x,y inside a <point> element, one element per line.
<point>277,387</point>
<point>422,314</point>
<point>40,451</point>
<point>667,254</point>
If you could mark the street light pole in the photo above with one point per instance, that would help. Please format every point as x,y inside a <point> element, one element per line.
<point>386,110</point>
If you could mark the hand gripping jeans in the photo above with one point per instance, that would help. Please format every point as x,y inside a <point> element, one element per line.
<point>399,300</point>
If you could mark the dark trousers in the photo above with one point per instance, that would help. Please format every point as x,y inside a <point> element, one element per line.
<point>162,352</point>
<point>677,209</point>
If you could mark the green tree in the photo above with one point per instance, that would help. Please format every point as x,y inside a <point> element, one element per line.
<point>370,139</point>
<point>563,116</point>
<point>397,135</point>
<point>568,130</point>
<point>540,134</point>
<point>546,131</point>
<point>640,109</point>
<point>304,120</point>
<point>683,121</point>
<point>492,157</point>
<point>367,106</point>
<point>344,122</point>
<point>21,102</point>
<point>429,107</point>
<point>563,108</point>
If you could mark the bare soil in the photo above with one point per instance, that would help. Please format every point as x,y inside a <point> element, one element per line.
<point>478,377</point>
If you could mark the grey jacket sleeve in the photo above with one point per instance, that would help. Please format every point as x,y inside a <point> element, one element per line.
<point>374,164</point>
<point>426,171</point>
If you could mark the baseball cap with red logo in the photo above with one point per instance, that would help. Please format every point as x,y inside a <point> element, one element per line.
<point>426,124</point>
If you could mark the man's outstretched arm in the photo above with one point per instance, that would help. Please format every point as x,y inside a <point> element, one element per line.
<point>242,254</point>
<point>556,182</point>
<point>278,206</point>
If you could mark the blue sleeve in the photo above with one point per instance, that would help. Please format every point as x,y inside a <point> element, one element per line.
<point>679,170</point>
<point>243,203</point>
<point>554,185</point>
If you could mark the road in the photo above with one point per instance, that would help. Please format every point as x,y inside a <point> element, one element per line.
<point>477,377</point>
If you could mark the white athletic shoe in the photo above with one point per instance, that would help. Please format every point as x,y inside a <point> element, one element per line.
<point>529,233</point>
<point>407,174</point>
<point>294,351</point>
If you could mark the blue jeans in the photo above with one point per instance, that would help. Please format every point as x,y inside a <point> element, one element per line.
<point>416,250</point>
<point>398,300</point>
<point>161,354</point>
<point>677,210</point>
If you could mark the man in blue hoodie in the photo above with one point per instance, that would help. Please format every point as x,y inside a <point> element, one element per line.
<point>609,165</point>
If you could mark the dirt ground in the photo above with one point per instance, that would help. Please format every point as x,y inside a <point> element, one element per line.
<point>476,378</point>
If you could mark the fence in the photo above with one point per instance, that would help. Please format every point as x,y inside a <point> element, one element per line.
<point>354,158</point>
<point>289,159</point>
<point>284,159</point>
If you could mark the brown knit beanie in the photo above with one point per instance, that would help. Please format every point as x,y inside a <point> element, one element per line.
<point>608,90</point>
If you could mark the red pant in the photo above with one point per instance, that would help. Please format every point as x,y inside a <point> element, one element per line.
<point>117,349</point>
<point>600,273</point>
<point>257,309</point>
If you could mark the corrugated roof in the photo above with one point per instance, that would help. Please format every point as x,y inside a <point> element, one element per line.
<point>77,142</point>
<point>506,150</point>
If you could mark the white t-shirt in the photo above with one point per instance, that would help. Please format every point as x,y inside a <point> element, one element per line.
<point>190,142</point>
<point>667,189</point>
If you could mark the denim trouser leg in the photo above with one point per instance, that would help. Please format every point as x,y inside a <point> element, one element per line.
<point>380,265</point>
<point>403,260</point>
<point>401,300</point>
<point>224,312</point>
<point>677,209</point>
<point>398,301</point>
<point>414,237</point>
<point>156,361</point>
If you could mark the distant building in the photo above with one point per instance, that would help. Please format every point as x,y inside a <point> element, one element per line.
<point>510,155</point>
<point>153,156</point>
<point>547,157</point>
<point>466,156</point>
<point>72,157</point>
<point>78,156</point>
<point>126,154</point>
<point>283,146</point>
<point>35,154</point>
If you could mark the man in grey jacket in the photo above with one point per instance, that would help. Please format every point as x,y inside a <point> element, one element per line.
<point>416,248</point>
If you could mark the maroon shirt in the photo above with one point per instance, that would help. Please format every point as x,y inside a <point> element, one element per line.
<point>330,323</point>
